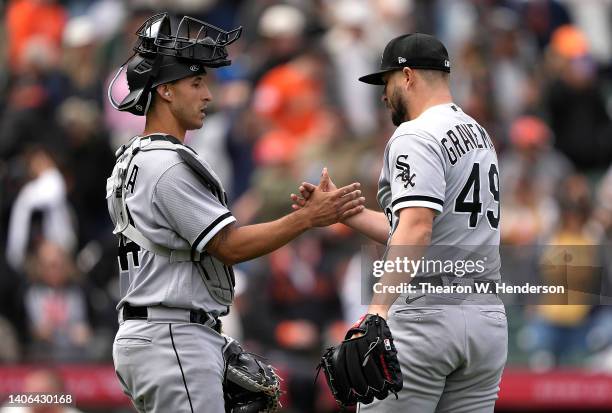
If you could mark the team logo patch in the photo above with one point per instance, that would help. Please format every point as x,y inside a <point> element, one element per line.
<point>404,167</point>
<point>194,68</point>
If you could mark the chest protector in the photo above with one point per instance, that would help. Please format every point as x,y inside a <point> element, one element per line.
<point>218,277</point>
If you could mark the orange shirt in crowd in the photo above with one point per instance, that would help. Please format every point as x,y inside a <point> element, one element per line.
<point>26,19</point>
<point>290,99</point>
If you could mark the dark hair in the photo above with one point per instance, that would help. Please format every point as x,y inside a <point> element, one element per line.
<point>432,76</point>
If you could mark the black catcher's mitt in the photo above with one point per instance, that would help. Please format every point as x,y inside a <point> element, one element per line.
<point>250,385</point>
<point>365,367</point>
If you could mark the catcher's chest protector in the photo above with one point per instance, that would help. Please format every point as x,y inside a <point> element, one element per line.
<point>218,277</point>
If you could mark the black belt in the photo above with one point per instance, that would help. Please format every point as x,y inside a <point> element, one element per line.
<point>437,281</point>
<point>195,316</point>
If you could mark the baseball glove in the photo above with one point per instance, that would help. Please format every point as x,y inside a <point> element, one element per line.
<point>250,385</point>
<point>364,367</point>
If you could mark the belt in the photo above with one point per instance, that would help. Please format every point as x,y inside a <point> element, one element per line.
<point>168,314</point>
<point>443,281</point>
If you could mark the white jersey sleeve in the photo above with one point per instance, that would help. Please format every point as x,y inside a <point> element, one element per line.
<point>416,165</point>
<point>185,204</point>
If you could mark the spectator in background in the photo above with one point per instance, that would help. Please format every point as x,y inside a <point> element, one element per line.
<point>89,161</point>
<point>281,30</point>
<point>42,382</point>
<point>290,98</point>
<point>558,330</point>
<point>351,53</point>
<point>472,83</point>
<point>45,194</point>
<point>28,19</point>
<point>543,17</point>
<point>593,19</point>
<point>531,171</point>
<point>29,115</point>
<point>574,102</point>
<point>56,308</point>
<point>80,59</point>
<point>512,57</point>
<point>531,154</point>
<point>527,215</point>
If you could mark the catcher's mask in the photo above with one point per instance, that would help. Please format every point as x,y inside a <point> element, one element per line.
<point>167,51</point>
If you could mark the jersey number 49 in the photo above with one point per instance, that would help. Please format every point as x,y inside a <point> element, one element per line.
<point>471,189</point>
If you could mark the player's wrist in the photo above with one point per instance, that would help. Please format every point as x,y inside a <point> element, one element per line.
<point>379,309</point>
<point>303,218</point>
<point>352,220</point>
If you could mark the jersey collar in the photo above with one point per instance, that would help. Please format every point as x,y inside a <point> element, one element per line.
<point>163,137</point>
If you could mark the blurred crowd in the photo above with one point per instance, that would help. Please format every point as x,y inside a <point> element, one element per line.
<point>537,74</point>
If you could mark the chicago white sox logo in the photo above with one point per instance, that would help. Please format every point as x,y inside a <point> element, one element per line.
<point>404,167</point>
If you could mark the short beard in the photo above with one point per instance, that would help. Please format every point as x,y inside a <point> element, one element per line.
<point>399,108</point>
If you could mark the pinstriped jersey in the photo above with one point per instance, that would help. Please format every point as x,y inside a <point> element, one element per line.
<point>444,160</point>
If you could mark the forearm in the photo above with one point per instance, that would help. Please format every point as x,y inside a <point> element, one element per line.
<point>238,244</point>
<point>404,244</point>
<point>372,224</point>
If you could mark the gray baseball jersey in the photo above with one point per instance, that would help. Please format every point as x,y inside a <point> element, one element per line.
<point>171,206</point>
<point>444,160</point>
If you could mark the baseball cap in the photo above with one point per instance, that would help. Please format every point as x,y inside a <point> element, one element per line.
<point>414,50</point>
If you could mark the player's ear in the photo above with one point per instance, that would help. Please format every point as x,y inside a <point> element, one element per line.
<point>408,76</point>
<point>164,92</point>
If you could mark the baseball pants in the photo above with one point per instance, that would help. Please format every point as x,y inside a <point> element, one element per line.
<point>170,365</point>
<point>452,353</point>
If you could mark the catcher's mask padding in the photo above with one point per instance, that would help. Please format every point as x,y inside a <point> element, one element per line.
<point>167,51</point>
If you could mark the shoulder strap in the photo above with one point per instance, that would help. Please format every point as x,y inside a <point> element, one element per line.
<point>190,157</point>
<point>115,188</point>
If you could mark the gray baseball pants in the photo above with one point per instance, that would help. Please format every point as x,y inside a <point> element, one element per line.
<point>166,364</point>
<point>452,352</point>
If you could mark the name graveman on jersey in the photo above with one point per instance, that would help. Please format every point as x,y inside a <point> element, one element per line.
<point>455,149</point>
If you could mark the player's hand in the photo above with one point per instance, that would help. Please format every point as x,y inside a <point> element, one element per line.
<point>381,311</point>
<point>307,188</point>
<point>325,185</point>
<point>326,208</point>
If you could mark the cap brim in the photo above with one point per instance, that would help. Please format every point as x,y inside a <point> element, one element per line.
<point>375,78</point>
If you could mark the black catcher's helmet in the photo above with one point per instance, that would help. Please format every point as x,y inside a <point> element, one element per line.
<point>169,50</point>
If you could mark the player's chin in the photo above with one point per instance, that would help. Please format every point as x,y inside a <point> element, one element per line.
<point>196,123</point>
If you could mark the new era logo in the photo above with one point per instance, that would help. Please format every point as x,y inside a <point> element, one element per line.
<point>401,60</point>
<point>194,68</point>
<point>446,63</point>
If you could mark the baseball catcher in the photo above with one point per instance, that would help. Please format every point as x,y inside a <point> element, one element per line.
<point>364,365</point>
<point>178,239</point>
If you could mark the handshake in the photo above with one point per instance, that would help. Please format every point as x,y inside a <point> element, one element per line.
<point>326,204</point>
